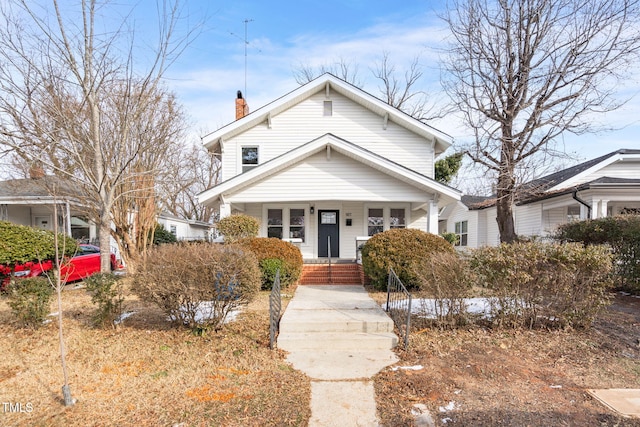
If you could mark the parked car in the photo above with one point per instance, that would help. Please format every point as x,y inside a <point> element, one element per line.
<point>83,264</point>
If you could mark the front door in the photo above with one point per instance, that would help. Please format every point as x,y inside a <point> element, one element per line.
<point>328,231</point>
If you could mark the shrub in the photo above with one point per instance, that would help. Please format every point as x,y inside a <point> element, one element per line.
<point>198,284</point>
<point>20,244</point>
<point>29,300</point>
<point>238,226</point>
<point>622,233</point>
<point>270,248</point>
<point>444,278</point>
<point>450,237</point>
<point>399,248</point>
<point>536,284</point>
<point>107,293</point>
<point>162,235</point>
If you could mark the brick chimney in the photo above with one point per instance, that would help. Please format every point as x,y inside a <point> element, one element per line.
<point>242,109</point>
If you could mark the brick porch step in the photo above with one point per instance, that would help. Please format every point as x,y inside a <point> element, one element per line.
<point>318,274</point>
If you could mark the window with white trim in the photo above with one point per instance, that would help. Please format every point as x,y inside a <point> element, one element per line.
<point>296,224</point>
<point>462,230</point>
<point>375,221</point>
<point>249,158</point>
<point>274,223</point>
<point>573,213</point>
<point>397,218</point>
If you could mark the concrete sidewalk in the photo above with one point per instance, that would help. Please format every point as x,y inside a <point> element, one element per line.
<point>338,336</point>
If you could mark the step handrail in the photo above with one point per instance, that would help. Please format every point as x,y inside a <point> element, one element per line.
<point>329,256</point>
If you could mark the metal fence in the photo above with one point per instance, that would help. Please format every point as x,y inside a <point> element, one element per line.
<point>275,305</point>
<point>399,306</point>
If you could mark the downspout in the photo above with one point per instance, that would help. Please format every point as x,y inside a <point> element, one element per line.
<point>579,200</point>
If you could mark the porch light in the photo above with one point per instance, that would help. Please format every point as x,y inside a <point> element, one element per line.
<point>312,210</point>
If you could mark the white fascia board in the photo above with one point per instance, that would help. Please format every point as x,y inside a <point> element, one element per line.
<point>606,162</point>
<point>357,95</point>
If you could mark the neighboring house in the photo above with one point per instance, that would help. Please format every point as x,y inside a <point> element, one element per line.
<point>30,202</point>
<point>605,186</point>
<point>185,229</point>
<point>328,165</point>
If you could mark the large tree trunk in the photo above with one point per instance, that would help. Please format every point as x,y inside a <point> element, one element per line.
<point>505,191</point>
<point>104,235</point>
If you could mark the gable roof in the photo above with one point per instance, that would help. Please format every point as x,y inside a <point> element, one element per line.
<point>33,190</point>
<point>331,142</point>
<point>567,177</point>
<point>214,141</point>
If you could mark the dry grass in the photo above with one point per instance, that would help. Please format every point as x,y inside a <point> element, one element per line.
<point>147,372</point>
<point>514,377</point>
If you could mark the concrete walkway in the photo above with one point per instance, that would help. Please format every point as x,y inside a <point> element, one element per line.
<point>338,336</point>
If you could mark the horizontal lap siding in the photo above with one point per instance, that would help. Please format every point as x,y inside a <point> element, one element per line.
<point>552,218</point>
<point>339,178</point>
<point>305,122</point>
<point>528,219</point>
<point>625,169</point>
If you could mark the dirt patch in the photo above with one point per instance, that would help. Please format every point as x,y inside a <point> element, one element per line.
<point>148,372</point>
<point>483,377</point>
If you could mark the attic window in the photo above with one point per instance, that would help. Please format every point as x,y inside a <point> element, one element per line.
<point>249,158</point>
<point>328,108</point>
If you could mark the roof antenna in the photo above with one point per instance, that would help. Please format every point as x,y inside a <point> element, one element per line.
<point>246,43</point>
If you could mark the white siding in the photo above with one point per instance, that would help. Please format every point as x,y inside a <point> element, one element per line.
<point>621,169</point>
<point>493,233</point>
<point>336,178</point>
<point>528,220</point>
<point>552,218</point>
<point>350,121</point>
<point>462,214</point>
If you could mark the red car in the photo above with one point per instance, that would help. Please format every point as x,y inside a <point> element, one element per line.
<point>83,264</point>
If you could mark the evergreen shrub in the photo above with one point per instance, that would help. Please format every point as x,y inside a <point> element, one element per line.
<point>107,293</point>
<point>270,248</point>
<point>238,226</point>
<point>399,248</point>
<point>622,233</point>
<point>30,300</point>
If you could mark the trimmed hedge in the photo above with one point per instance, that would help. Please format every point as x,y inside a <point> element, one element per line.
<point>399,248</point>
<point>237,227</point>
<point>533,284</point>
<point>622,233</point>
<point>269,249</point>
<point>20,244</point>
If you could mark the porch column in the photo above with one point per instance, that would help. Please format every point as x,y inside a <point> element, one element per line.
<point>432,226</point>
<point>594,209</point>
<point>583,212</point>
<point>68,213</point>
<point>603,208</point>
<point>225,210</point>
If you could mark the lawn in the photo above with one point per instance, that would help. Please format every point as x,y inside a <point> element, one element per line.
<point>481,377</point>
<point>147,372</point>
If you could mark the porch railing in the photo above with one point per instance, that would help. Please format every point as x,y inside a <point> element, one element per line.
<point>275,306</point>
<point>399,306</point>
<point>329,258</point>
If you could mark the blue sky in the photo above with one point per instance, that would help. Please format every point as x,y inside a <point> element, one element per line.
<point>284,34</point>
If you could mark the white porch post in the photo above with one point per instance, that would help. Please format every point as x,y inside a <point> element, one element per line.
<point>225,210</point>
<point>603,208</point>
<point>594,209</point>
<point>432,226</point>
<point>583,212</point>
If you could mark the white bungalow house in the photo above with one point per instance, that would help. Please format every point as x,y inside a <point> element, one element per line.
<point>605,186</point>
<point>328,165</point>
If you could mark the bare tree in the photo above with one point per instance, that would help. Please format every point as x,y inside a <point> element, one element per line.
<point>523,72</point>
<point>401,93</point>
<point>71,95</point>
<point>194,171</point>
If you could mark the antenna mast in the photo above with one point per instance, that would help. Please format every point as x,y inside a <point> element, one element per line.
<point>246,43</point>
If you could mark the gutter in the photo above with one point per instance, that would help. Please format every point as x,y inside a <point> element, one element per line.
<point>579,200</point>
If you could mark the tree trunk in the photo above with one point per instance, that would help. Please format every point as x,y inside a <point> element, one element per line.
<point>504,206</point>
<point>104,235</point>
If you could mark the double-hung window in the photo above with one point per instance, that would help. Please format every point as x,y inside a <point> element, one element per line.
<point>289,223</point>
<point>249,158</point>
<point>462,228</point>
<point>274,223</point>
<point>375,221</point>
<point>397,218</point>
